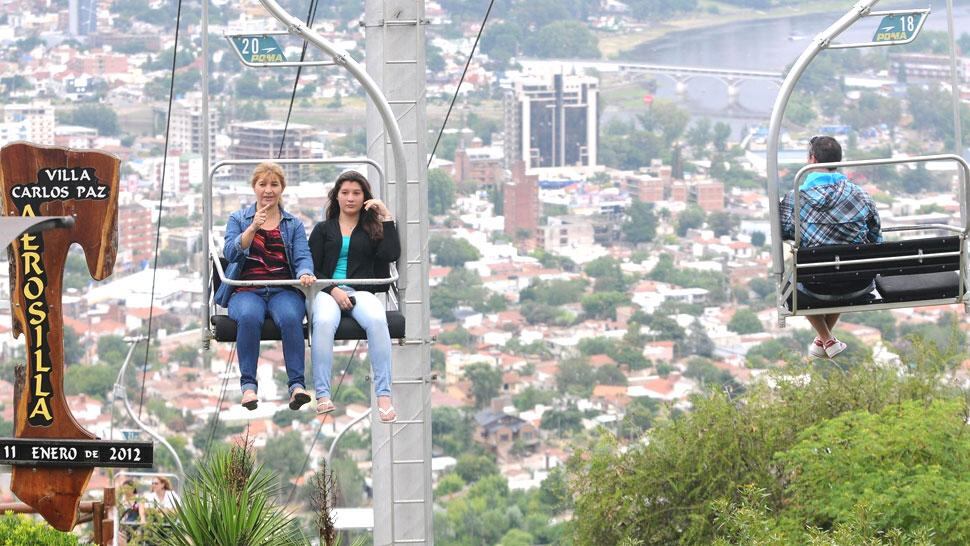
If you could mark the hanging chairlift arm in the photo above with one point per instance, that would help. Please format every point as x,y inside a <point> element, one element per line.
<point>121,392</point>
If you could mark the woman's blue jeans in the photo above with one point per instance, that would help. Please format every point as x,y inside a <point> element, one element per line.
<point>287,308</point>
<point>369,313</point>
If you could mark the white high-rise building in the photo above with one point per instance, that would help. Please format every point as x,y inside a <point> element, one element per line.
<point>31,122</point>
<point>551,120</point>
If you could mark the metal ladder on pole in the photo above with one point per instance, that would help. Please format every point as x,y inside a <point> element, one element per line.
<point>395,35</point>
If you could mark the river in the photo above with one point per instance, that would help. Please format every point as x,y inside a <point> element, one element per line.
<point>769,44</point>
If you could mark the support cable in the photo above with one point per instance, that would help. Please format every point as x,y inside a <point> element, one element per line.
<point>222,398</point>
<point>311,15</point>
<point>316,435</point>
<point>161,205</point>
<point>468,62</point>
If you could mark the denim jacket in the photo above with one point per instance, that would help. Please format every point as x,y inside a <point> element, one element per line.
<point>294,244</point>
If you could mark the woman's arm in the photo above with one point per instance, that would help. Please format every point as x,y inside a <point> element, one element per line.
<point>389,248</point>
<point>237,244</point>
<point>302,259</point>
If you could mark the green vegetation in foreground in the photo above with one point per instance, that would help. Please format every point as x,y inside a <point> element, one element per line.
<point>22,529</point>
<point>815,456</point>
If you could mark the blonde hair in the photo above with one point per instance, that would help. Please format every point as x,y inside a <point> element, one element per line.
<point>268,169</point>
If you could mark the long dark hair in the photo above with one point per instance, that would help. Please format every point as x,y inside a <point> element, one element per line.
<point>371,223</point>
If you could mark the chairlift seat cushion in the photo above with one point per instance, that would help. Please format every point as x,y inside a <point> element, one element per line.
<point>928,286</point>
<point>224,328</point>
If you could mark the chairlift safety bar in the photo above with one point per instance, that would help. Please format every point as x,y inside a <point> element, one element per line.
<point>796,208</point>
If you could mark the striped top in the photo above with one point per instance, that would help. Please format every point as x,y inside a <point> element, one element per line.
<point>266,260</point>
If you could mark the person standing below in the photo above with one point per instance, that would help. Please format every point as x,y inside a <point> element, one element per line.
<point>357,236</point>
<point>834,211</point>
<point>162,497</point>
<point>263,243</point>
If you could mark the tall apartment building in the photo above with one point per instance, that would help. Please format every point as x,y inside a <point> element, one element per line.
<point>136,237</point>
<point>82,17</point>
<point>551,120</point>
<point>520,203</point>
<point>31,122</point>
<point>261,140</point>
<point>187,127</point>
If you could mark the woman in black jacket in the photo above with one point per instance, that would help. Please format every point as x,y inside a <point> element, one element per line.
<point>356,241</point>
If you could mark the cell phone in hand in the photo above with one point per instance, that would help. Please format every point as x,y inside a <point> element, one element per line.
<point>353,300</point>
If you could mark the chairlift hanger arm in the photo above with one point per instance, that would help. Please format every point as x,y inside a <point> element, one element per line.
<point>121,391</point>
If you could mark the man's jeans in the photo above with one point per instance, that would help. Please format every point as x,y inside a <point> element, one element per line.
<point>369,313</point>
<point>287,308</point>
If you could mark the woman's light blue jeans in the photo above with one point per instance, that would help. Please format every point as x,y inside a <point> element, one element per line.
<point>287,308</point>
<point>369,313</point>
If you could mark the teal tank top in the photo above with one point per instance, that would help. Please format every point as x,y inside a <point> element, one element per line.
<point>341,271</point>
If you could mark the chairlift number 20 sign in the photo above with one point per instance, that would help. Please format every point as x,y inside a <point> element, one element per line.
<point>898,27</point>
<point>258,48</point>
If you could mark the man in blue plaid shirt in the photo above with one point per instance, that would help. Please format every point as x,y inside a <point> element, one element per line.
<point>834,211</point>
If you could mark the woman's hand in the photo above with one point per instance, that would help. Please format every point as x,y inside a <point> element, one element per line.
<point>342,299</point>
<point>379,207</point>
<point>307,280</point>
<point>261,216</point>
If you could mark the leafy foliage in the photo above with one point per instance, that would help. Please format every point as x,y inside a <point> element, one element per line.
<point>794,439</point>
<point>229,501</point>
<point>18,529</point>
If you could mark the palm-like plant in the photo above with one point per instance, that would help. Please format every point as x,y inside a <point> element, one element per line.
<point>229,502</point>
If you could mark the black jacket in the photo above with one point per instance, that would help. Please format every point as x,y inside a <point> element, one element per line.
<point>366,259</point>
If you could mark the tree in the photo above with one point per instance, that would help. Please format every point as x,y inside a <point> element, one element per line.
<point>640,225</point>
<point>284,455</point>
<point>451,252</point>
<point>451,430</point>
<point>555,38</point>
<point>722,223</point>
<point>690,218</point>
<point>95,380</point>
<point>99,116</point>
<point>472,468</point>
<point>758,239</point>
<point>486,382</point>
<point>575,376</point>
<point>816,442</point>
<point>745,321</point>
<point>602,305</point>
<point>722,132</point>
<point>699,135</point>
<point>762,286</point>
<point>462,287</point>
<point>610,375</point>
<point>73,350</point>
<point>441,192</point>
<point>554,292</point>
<point>112,349</point>
<point>566,420</point>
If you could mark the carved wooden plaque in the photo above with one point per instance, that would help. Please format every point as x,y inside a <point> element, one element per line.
<point>50,181</point>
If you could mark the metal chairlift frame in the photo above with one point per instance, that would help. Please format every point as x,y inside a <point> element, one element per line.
<point>403,503</point>
<point>786,272</point>
<point>214,246</point>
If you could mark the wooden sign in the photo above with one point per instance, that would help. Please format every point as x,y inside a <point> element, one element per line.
<point>50,181</point>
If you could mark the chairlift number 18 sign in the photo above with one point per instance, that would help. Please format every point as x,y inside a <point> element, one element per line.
<point>258,48</point>
<point>898,27</point>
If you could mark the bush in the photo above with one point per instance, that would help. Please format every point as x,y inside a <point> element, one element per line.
<point>18,530</point>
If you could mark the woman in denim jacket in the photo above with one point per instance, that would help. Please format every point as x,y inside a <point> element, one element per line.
<point>264,242</point>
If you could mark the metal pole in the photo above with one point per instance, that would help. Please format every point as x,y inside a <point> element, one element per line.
<point>344,59</point>
<point>206,186</point>
<point>955,81</point>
